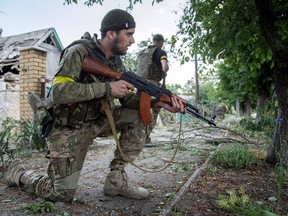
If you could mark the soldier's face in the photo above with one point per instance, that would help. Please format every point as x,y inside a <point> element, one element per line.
<point>124,38</point>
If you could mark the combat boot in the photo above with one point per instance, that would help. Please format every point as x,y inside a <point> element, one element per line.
<point>118,183</point>
<point>15,170</point>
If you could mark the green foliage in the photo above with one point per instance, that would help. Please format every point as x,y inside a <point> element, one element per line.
<point>183,167</point>
<point>7,136</point>
<point>188,88</point>
<point>176,212</point>
<point>208,94</point>
<point>88,2</point>
<point>167,118</point>
<point>168,197</point>
<point>92,2</point>
<point>235,157</point>
<point>175,88</point>
<point>264,128</point>
<point>227,33</point>
<point>42,207</point>
<point>4,144</point>
<point>217,29</point>
<point>29,136</point>
<point>236,84</point>
<point>130,61</point>
<point>19,137</point>
<point>144,43</point>
<point>239,204</point>
<point>281,175</point>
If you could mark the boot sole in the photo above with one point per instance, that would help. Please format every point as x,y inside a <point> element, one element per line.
<point>120,194</point>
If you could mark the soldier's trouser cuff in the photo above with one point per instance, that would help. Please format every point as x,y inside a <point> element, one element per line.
<point>60,190</point>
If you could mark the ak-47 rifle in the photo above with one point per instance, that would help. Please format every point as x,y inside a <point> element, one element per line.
<point>146,88</point>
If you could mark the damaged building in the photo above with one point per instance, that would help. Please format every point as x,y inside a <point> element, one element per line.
<point>27,62</point>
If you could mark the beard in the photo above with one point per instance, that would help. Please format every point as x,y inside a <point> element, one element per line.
<point>116,49</point>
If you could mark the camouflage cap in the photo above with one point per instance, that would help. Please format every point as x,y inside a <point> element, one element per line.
<point>116,20</point>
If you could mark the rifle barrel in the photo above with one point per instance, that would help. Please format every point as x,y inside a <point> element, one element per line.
<point>197,115</point>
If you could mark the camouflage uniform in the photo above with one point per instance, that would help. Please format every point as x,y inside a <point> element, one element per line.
<point>149,70</point>
<point>78,120</point>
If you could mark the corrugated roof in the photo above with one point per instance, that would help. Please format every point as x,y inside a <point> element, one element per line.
<point>11,45</point>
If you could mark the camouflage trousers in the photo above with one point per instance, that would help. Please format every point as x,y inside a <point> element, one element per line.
<point>150,127</point>
<point>68,149</point>
<point>155,113</point>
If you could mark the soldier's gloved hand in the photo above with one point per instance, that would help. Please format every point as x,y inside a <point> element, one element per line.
<point>120,88</point>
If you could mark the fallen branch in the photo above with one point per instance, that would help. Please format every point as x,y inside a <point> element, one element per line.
<point>217,128</point>
<point>182,191</point>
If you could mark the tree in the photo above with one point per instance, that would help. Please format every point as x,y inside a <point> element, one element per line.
<point>247,42</point>
<point>273,17</point>
<point>175,88</point>
<point>130,61</point>
<point>237,86</point>
<point>131,3</point>
<point>227,31</point>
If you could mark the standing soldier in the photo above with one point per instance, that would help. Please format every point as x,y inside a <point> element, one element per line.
<point>153,66</point>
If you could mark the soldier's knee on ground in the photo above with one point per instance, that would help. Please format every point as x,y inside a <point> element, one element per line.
<point>55,191</point>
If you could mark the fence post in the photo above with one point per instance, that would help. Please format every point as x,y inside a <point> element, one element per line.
<point>43,87</point>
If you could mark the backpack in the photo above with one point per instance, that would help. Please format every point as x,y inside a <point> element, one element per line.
<point>146,67</point>
<point>145,61</point>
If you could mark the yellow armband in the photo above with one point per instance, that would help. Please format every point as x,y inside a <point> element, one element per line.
<point>62,79</point>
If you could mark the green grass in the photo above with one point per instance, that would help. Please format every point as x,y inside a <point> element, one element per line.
<point>41,207</point>
<point>235,157</point>
<point>238,203</point>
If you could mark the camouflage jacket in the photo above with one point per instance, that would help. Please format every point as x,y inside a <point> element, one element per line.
<point>76,94</point>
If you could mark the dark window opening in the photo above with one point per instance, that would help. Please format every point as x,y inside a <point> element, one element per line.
<point>9,68</point>
<point>49,41</point>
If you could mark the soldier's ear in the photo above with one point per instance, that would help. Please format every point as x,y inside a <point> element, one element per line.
<point>111,34</point>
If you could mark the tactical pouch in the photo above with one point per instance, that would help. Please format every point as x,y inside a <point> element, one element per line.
<point>42,113</point>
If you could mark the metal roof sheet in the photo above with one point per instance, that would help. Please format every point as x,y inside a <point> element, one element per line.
<point>11,45</point>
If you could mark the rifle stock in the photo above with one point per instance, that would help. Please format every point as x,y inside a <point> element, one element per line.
<point>93,66</point>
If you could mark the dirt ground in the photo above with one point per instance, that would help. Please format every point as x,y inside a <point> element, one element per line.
<point>199,198</point>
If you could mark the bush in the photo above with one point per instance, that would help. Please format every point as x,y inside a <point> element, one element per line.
<point>29,136</point>
<point>264,127</point>
<point>4,145</point>
<point>19,137</point>
<point>236,157</point>
<point>239,203</point>
<point>42,207</point>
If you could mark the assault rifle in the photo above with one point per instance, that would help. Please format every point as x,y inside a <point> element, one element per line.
<point>144,87</point>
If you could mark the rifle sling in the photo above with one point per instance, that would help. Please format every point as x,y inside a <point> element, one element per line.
<point>109,115</point>
<point>108,112</point>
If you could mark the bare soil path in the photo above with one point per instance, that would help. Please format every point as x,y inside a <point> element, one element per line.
<point>199,199</point>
